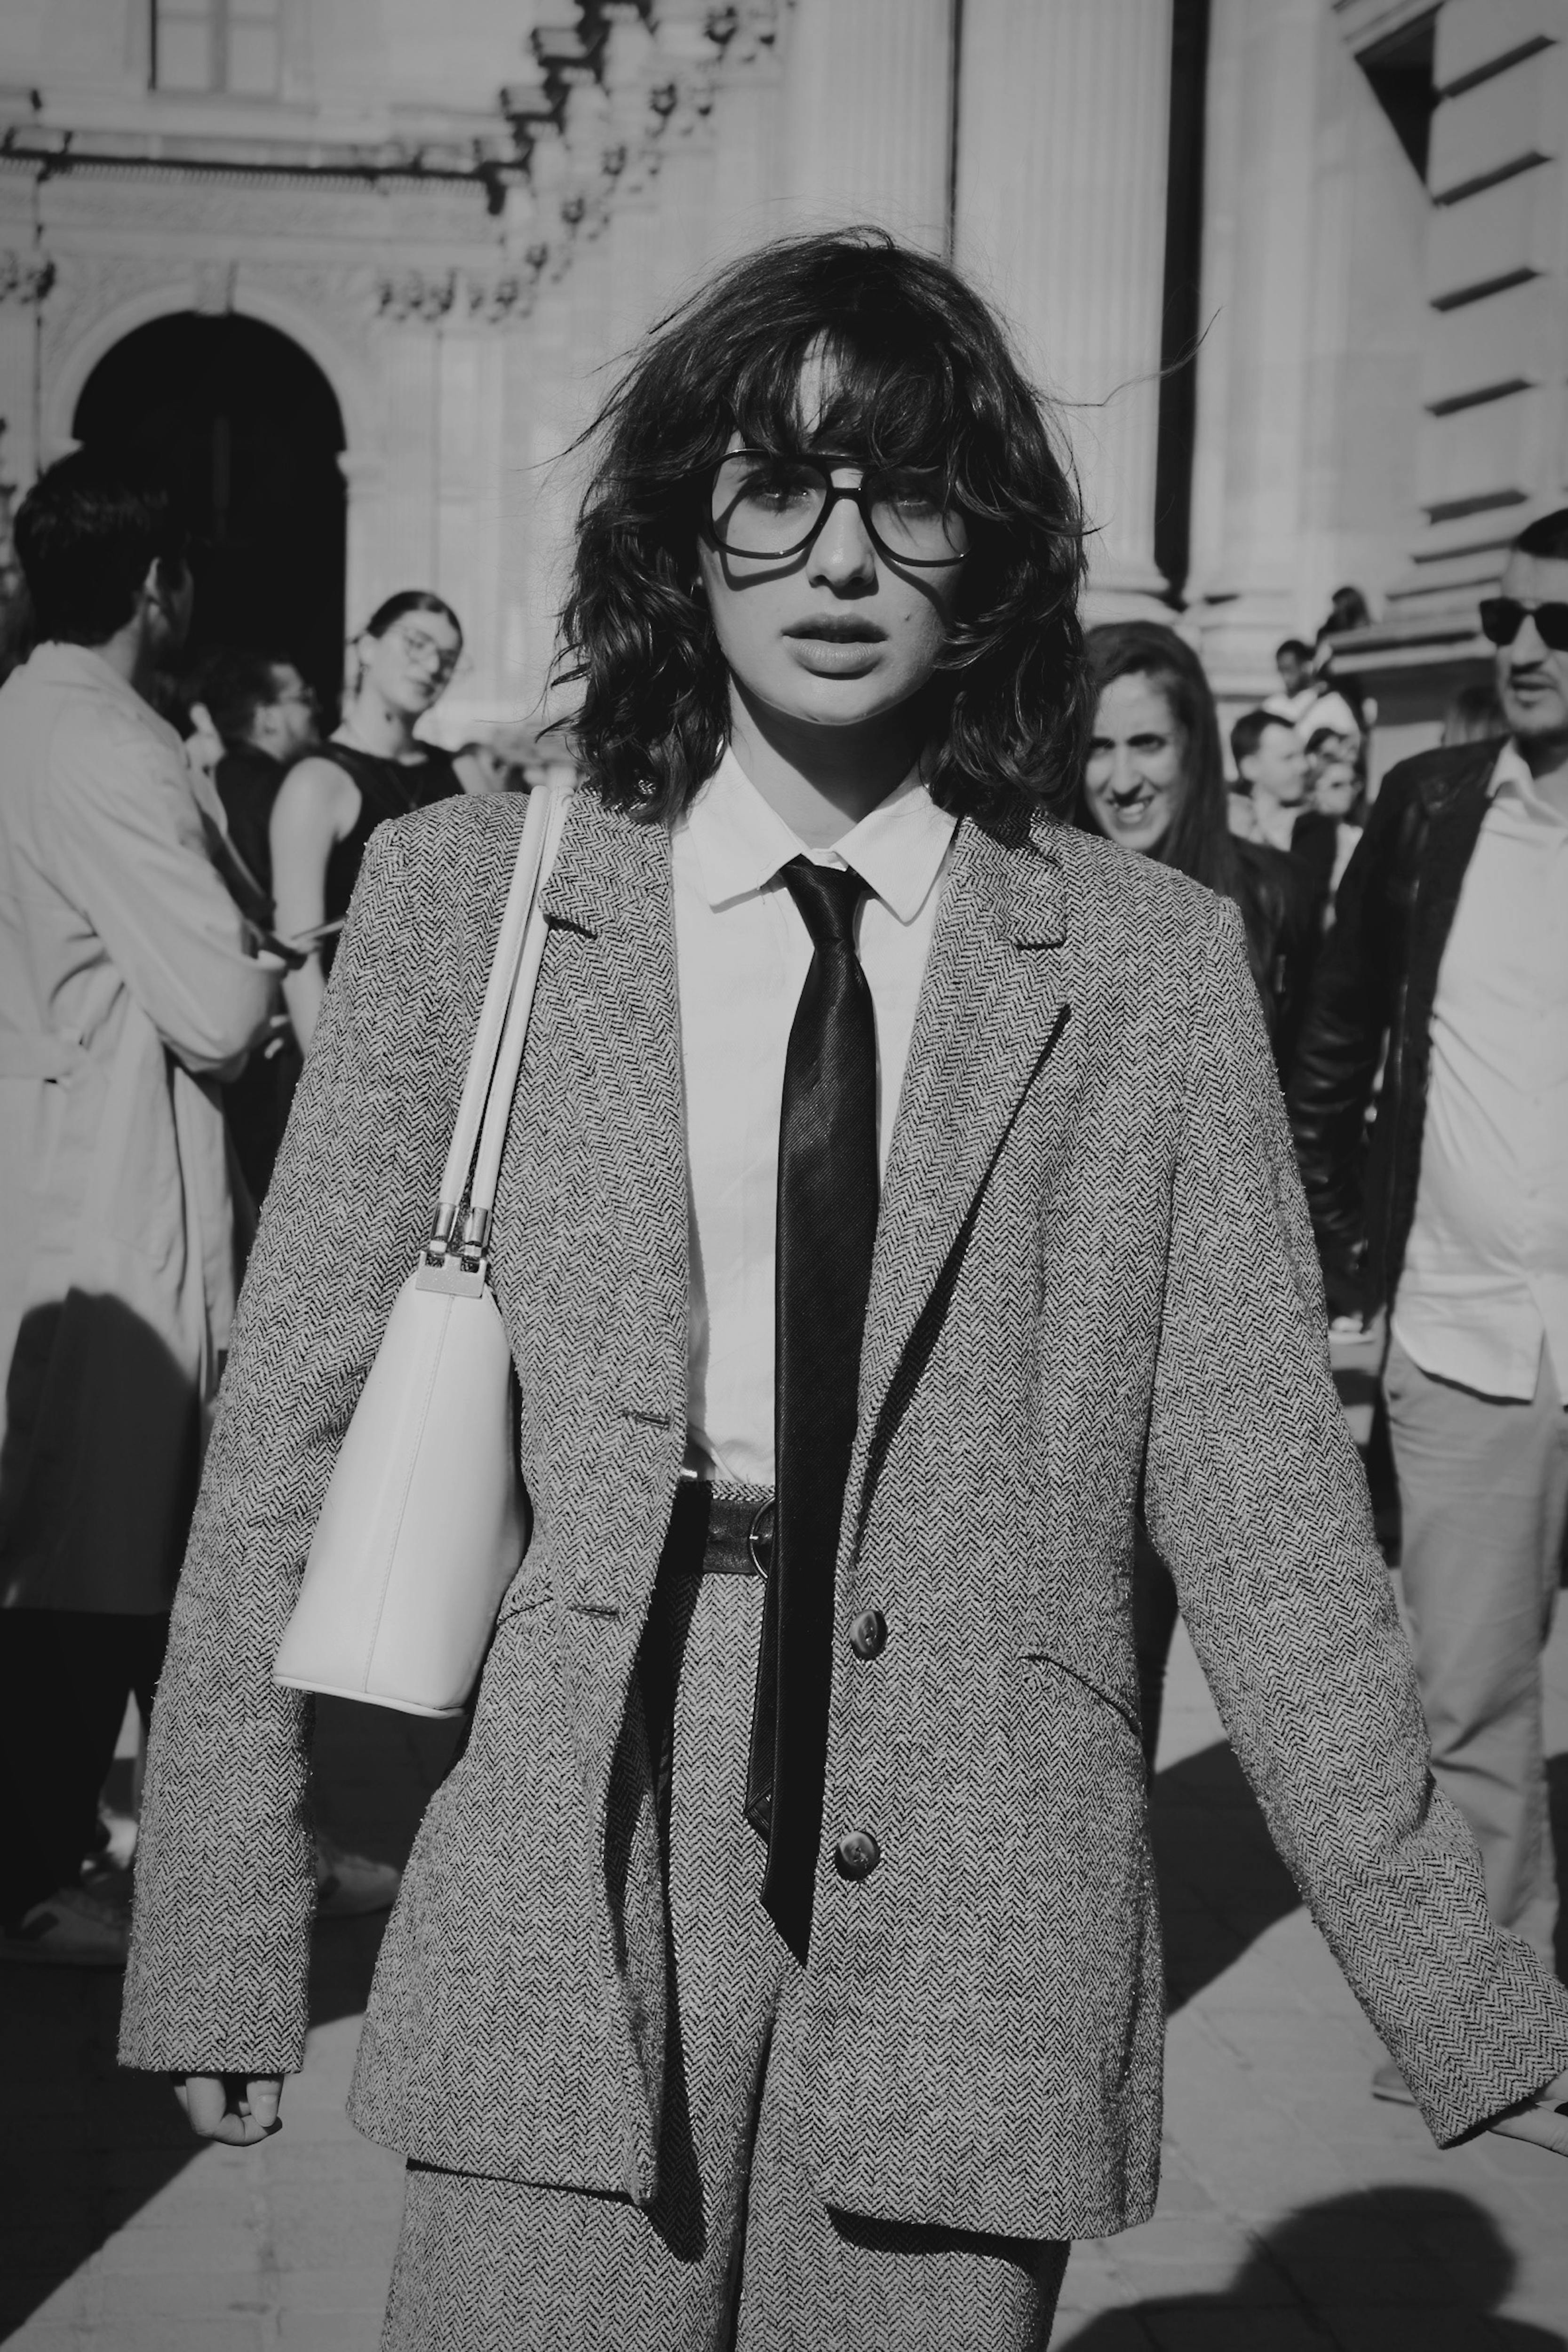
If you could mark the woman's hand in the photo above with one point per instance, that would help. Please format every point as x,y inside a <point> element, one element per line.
<point>1545,2121</point>
<point>239,2109</point>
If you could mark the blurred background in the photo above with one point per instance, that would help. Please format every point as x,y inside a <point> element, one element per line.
<point>362,268</point>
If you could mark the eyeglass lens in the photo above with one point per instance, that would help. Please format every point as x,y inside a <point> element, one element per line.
<point>419,648</point>
<point>1502,617</point>
<point>769,506</point>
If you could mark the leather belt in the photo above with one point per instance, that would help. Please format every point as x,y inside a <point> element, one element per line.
<point>720,1530</point>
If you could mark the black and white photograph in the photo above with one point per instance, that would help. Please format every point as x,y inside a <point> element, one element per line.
<point>783,1175</point>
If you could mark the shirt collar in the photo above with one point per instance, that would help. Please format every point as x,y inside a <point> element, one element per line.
<point>740,843</point>
<point>1512,780</point>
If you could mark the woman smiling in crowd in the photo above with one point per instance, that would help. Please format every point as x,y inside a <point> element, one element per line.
<point>1153,782</point>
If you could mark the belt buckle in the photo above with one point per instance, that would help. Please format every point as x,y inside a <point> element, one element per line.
<point>756,1540</point>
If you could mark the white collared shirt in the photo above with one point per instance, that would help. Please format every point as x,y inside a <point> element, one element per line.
<point>742,955</point>
<point>1485,1282</point>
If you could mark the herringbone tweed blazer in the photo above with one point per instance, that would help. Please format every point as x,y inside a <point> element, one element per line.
<point>1094,1280</point>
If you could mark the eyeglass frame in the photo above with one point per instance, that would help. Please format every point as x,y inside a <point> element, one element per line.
<point>855,492</point>
<point>417,646</point>
<point>1499,606</point>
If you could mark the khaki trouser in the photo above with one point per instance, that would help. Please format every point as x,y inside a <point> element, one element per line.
<point>1483,1492</point>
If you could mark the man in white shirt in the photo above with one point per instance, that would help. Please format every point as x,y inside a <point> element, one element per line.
<point>1452,943</point>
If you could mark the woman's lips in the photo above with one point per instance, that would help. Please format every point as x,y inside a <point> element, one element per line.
<point>837,657</point>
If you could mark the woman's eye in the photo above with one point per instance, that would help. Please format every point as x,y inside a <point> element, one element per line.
<point>912,498</point>
<point>778,487</point>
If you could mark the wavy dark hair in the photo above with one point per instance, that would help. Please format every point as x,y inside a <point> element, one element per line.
<point>919,373</point>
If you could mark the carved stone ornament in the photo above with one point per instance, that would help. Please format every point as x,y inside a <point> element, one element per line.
<point>405,295</point>
<point>26,277</point>
<point>611,90</point>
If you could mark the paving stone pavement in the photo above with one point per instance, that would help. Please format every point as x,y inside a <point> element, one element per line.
<point>1297,2213</point>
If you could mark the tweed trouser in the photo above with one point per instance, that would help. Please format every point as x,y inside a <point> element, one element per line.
<point>738,2250</point>
<point>1483,1495</point>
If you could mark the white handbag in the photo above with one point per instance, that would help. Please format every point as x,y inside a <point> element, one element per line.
<point>423,1526</point>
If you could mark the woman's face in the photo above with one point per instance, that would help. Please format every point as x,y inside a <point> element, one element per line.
<point>837,636</point>
<point>410,664</point>
<point>1133,778</point>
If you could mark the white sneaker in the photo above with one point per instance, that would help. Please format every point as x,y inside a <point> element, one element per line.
<point>349,1885</point>
<point>72,1928</point>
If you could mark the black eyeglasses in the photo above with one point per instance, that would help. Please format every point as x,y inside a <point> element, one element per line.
<point>1502,617</point>
<point>772,507</point>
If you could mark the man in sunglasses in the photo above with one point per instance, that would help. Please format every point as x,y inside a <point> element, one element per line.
<point>1450,951</point>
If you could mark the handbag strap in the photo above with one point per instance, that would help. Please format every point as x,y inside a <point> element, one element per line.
<point>484,1107</point>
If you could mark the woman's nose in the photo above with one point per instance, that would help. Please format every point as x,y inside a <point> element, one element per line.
<point>843,553</point>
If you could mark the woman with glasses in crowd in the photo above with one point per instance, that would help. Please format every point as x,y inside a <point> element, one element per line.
<point>373,767</point>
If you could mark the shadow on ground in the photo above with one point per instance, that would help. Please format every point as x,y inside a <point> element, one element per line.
<point>1222,1884</point>
<point>84,2144</point>
<point>1389,2269</point>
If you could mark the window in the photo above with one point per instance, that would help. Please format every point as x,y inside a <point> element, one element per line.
<point>216,44</point>
<point>1400,72</point>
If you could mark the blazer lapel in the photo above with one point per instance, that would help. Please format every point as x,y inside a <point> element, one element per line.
<point>992,1009</point>
<point>607,901</point>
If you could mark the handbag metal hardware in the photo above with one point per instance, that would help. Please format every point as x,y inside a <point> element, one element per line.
<point>458,1281</point>
<point>756,1540</point>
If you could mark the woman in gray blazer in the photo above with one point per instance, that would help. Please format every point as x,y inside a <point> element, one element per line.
<point>897,1193</point>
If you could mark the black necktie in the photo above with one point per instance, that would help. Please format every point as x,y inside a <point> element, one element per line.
<point>826,1226</point>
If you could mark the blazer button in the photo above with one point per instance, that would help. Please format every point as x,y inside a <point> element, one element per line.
<point>857,1854</point>
<point>869,1633</point>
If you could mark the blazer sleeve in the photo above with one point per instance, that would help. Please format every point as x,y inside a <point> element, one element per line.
<point>1254,1495</point>
<point>224,1883</point>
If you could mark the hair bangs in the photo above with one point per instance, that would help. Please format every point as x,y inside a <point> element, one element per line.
<point>879,399</point>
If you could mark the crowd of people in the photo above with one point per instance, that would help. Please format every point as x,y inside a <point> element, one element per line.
<point>174,890</point>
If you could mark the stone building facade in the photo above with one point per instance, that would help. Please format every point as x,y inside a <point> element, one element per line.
<point>1295,268</point>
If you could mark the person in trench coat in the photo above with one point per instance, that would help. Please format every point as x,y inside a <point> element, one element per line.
<point>128,988</point>
<point>653,2090</point>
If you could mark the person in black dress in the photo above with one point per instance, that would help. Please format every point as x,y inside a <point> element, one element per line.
<point>1155,782</point>
<point>371,768</point>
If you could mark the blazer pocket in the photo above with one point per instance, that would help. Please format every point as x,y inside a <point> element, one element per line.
<point>1095,1691</point>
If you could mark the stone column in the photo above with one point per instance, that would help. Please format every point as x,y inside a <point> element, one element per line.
<point>865,120</point>
<point>1259,239</point>
<point>1063,130</point>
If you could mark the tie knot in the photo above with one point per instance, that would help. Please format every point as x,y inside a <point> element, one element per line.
<point>827,896</point>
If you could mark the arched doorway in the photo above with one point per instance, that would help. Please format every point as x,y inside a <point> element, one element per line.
<point>249,426</point>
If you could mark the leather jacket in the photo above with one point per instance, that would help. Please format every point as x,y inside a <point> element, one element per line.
<point>1375,987</point>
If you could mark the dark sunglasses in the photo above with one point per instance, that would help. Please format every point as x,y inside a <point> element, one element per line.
<point>1502,617</point>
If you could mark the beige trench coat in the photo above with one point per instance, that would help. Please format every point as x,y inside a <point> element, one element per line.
<point>127,988</point>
